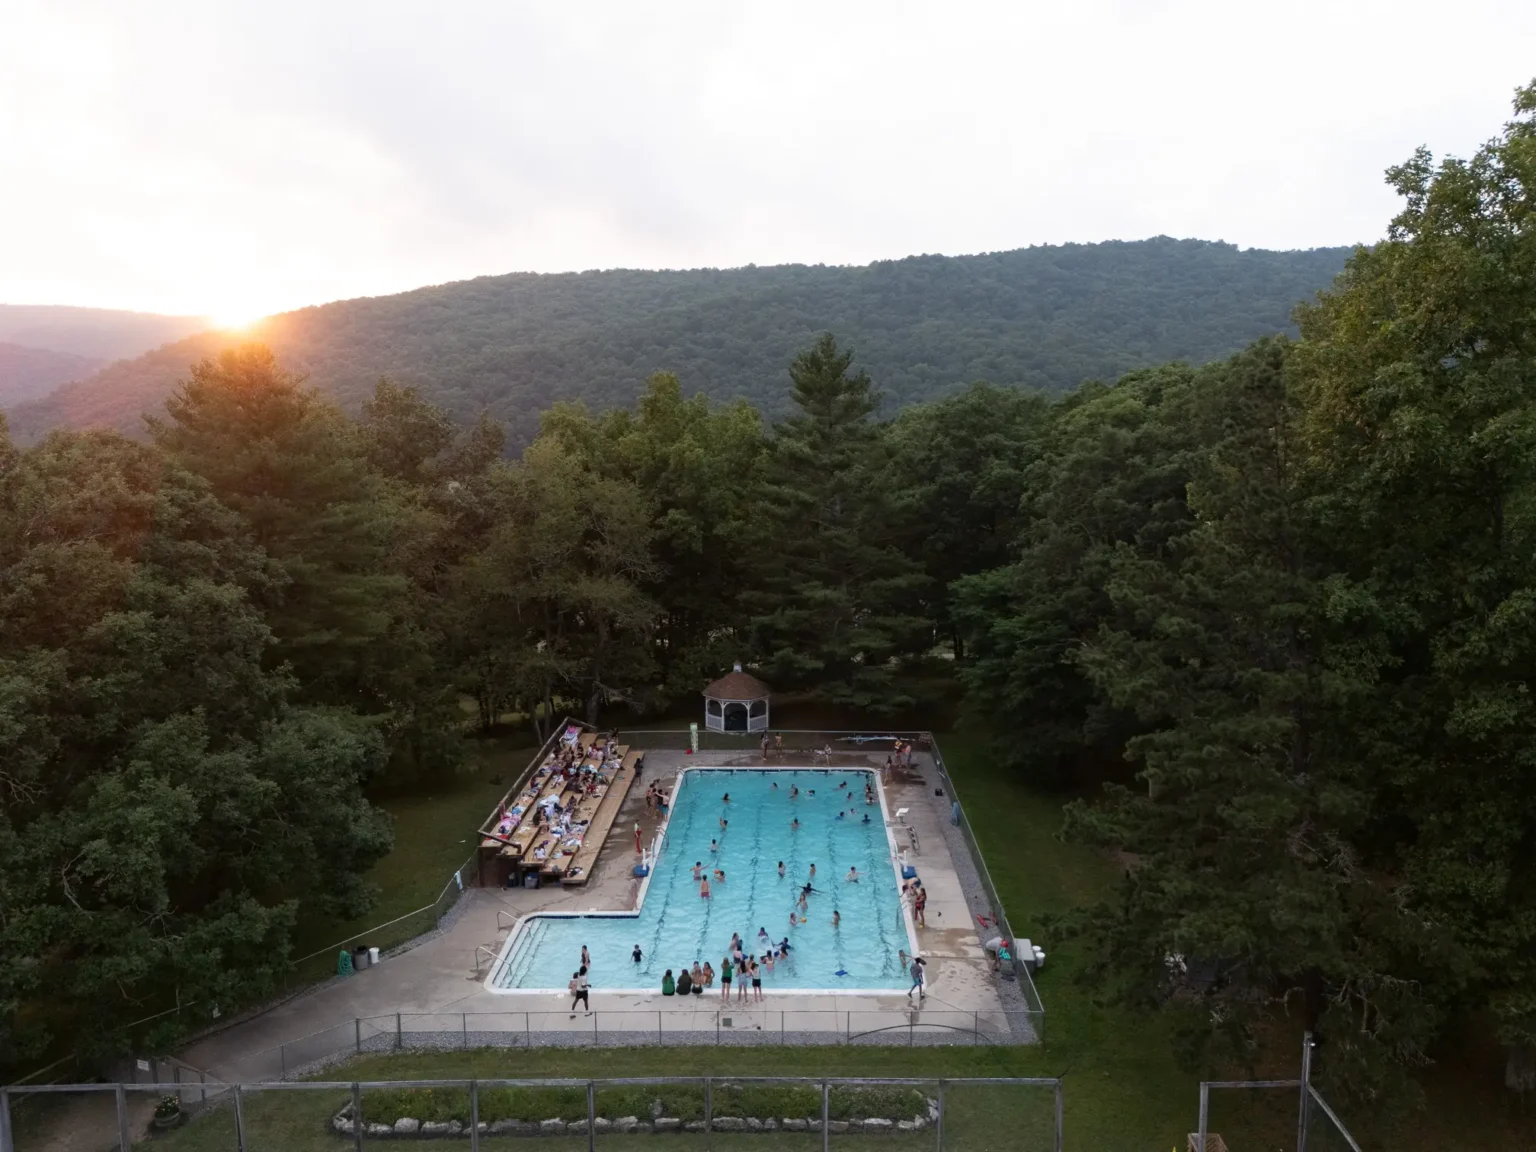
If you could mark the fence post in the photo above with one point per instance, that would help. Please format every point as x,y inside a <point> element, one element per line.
<point>202,1078</point>
<point>826,1126</point>
<point>1059,1114</point>
<point>464,1030</point>
<point>659,1040</point>
<point>938,1122</point>
<point>282,1061</point>
<point>717,1027</point>
<point>848,1028</point>
<point>781,1027</point>
<point>474,1116</point>
<point>594,1028</point>
<point>591,1117</point>
<point>709,1110</point>
<point>1205,1114</point>
<point>239,1122</point>
<point>975,1028</point>
<point>527,1032</point>
<point>7,1143</point>
<point>357,1116</point>
<point>1306,1082</point>
<point>357,1034</point>
<point>911,1031</point>
<point>398,1041</point>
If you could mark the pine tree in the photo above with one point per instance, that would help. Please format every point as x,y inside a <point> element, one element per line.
<point>831,606</point>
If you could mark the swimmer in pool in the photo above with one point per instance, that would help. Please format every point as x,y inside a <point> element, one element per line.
<point>781,869</point>
<point>794,791</point>
<point>723,823</point>
<point>726,799</point>
<point>839,814</point>
<point>714,846</point>
<point>813,871</point>
<point>837,917</point>
<point>853,876</point>
<point>719,875</point>
<point>698,869</point>
<point>704,888</point>
<point>794,825</point>
<point>866,817</point>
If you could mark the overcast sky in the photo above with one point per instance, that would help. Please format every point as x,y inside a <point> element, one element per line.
<point>234,158</point>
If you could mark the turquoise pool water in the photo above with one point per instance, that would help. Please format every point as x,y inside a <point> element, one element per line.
<point>675,926</point>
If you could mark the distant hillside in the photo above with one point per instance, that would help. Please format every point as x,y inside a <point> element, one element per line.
<point>1046,317</point>
<point>97,333</point>
<point>28,373</point>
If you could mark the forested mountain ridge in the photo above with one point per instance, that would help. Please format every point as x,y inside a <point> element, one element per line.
<point>29,373</point>
<point>95,333</point>
<point>1045,317</point>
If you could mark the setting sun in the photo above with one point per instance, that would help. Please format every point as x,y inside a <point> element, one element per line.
<point>235,320</point>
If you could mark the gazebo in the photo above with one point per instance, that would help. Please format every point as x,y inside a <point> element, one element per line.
<point>737,702</point>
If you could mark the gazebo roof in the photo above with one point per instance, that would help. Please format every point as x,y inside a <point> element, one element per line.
<point>738,685</point>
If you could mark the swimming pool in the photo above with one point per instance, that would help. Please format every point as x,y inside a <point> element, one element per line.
<point>675,926</point>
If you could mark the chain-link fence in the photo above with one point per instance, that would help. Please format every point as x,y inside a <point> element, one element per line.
<point>1236,1115</point>
<point>907,1114</point>
<point>621,1028</point>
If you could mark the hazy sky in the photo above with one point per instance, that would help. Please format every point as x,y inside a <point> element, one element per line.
<point>236,158</point>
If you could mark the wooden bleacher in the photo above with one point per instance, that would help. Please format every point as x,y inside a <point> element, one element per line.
<point>525,847</point>
<point>606,812</point>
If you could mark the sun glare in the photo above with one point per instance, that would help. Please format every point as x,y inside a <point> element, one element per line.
<point>233,321</point>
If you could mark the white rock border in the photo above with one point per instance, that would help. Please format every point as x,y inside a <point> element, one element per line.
<point>409,1128</point>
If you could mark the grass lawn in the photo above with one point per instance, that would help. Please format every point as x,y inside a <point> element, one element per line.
<point>434,834</point>
<point>994,1120</point>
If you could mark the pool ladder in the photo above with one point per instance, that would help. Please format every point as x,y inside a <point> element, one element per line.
<point>901,820</point>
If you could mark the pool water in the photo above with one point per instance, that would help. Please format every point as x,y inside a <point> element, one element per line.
<point>675,926</point>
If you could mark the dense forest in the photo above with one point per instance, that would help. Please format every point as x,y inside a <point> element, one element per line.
<point>1044,318</point>
<point>1274,613</point>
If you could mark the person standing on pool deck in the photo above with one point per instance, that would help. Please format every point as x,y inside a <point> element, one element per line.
<point>725,979</point>
<point>917,980</point>
<point>743,972</point>
<point>579,989</point>
<point>757,983</point>
<point>918,906</point>
<point>637,838</point>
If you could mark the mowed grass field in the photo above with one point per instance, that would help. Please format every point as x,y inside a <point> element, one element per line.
<point>1123,1090</point>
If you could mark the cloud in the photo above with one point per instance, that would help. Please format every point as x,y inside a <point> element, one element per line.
<point>244,157</point>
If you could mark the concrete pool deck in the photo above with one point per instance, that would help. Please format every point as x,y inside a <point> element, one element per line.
<point>437,985</point>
